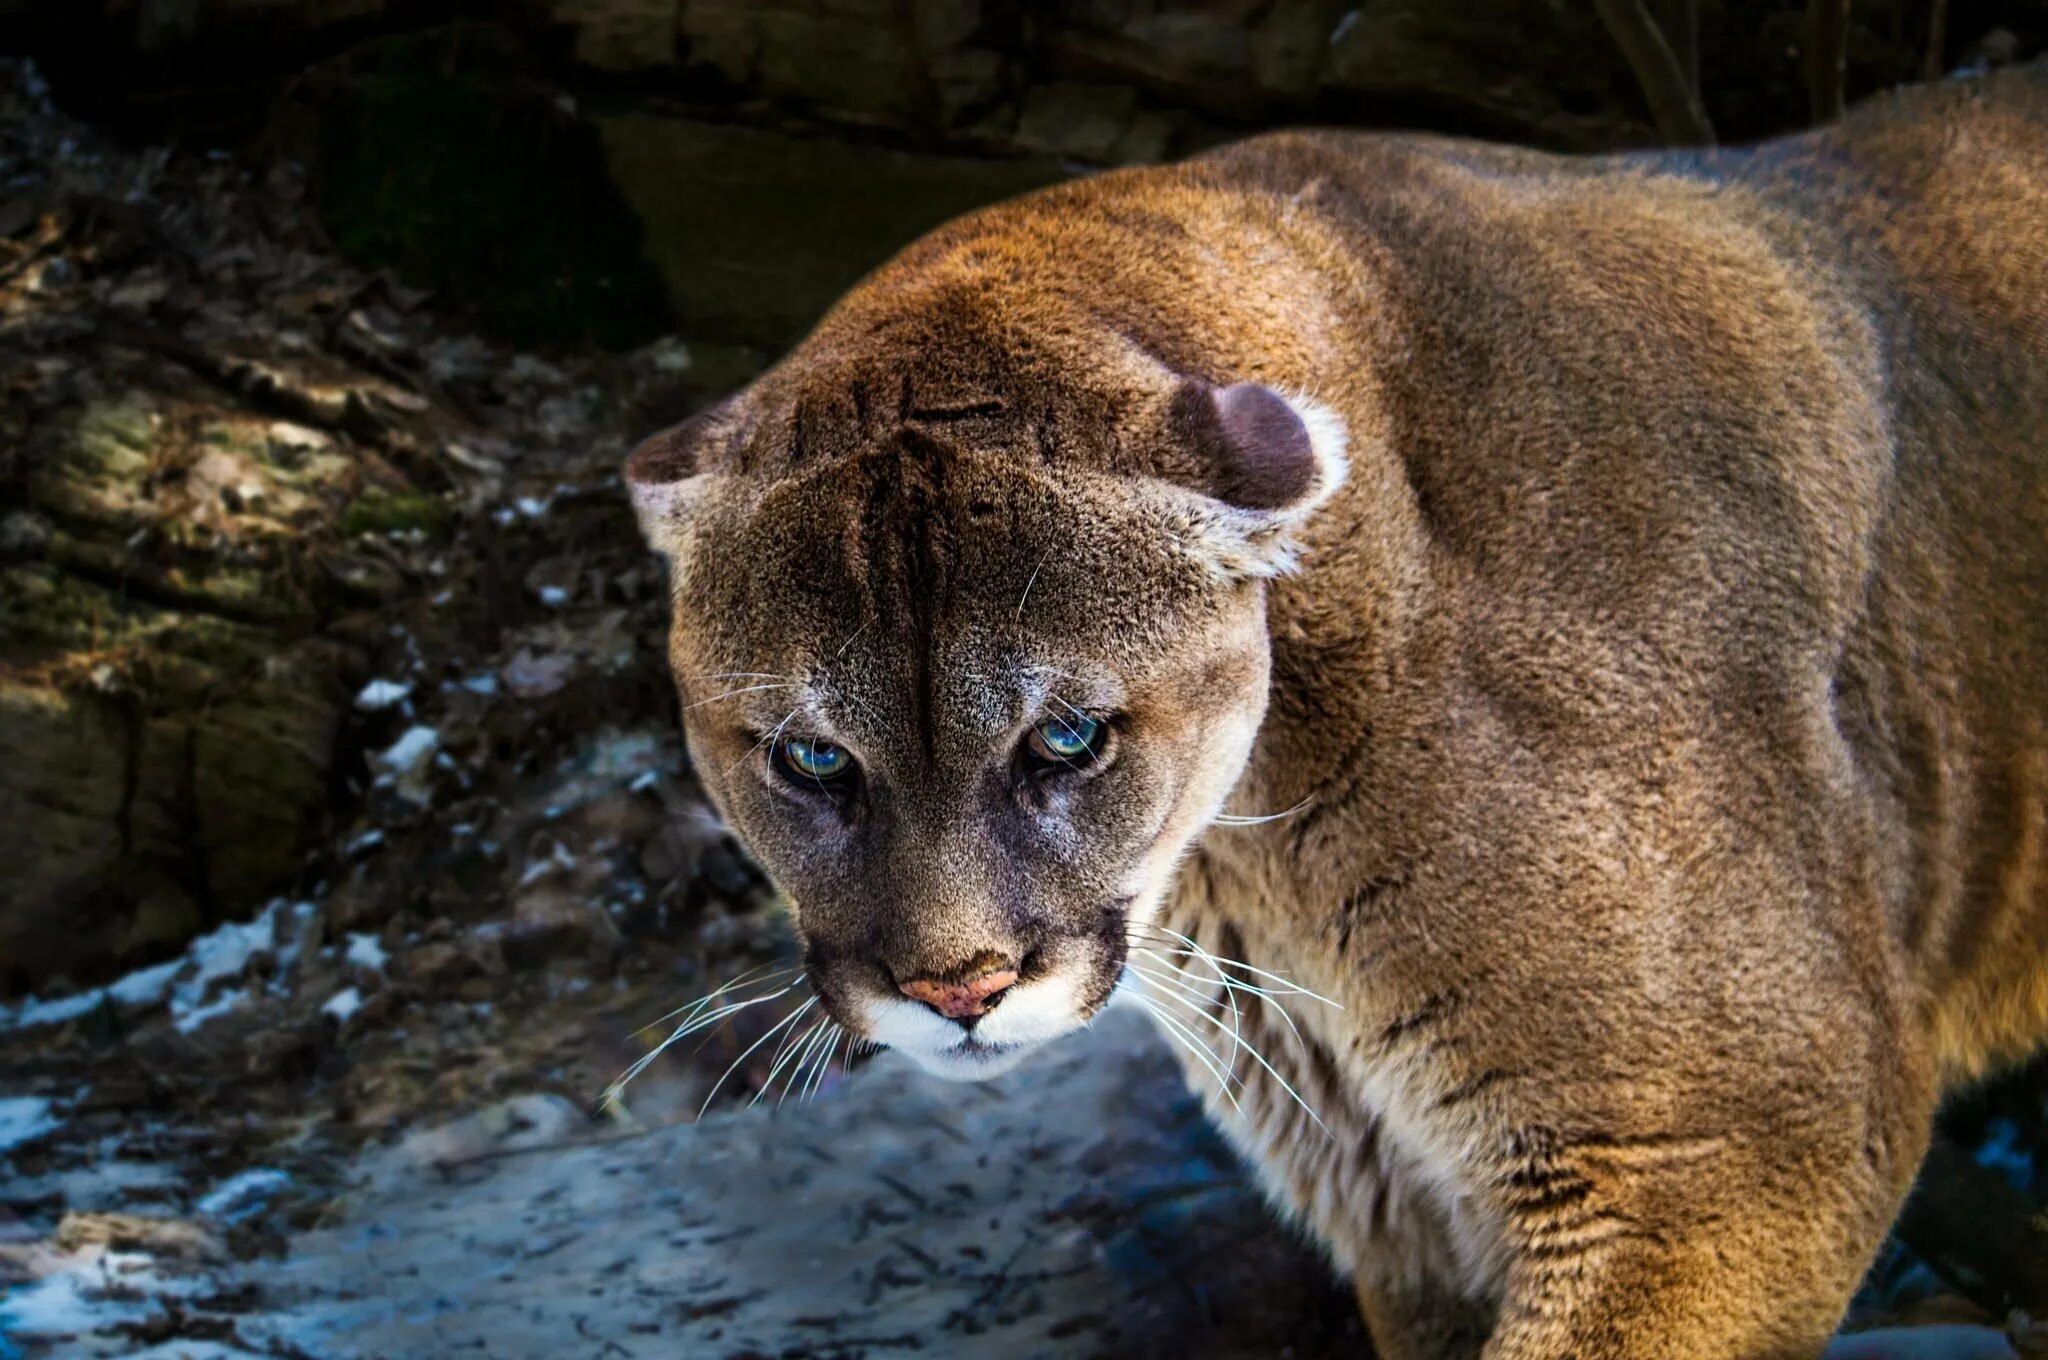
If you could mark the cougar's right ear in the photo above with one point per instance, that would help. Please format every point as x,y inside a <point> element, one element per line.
<point>1264,461</point>
<point>668,473</point>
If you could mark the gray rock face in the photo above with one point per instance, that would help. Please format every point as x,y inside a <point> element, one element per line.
<point>1081,1207</point>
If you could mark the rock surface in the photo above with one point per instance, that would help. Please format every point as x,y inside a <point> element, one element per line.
<point>239,480</point>
<point>1082,1207</point>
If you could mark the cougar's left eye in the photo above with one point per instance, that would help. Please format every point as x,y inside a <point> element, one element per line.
<point>1071,739</point>
<point>814,760</point>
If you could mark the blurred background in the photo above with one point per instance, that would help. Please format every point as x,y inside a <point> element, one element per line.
<point>341,798</point>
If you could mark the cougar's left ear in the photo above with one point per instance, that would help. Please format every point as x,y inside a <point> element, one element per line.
<point>667,473</point>
<point>1267,461</point>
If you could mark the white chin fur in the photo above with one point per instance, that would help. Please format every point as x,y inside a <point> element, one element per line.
<point>1030,1016</point>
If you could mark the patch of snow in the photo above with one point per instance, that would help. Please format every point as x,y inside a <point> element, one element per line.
<point>369,840</point>
<point>56,1011</point>
<point>24,1119</point>
<point>105,1184</point>
<point>528,368</point>
<point>485,683</point>
<point>559,858</point>
<point>201,1012</point>
<point>621,753</point>
<point>413,746</point>
<point>193,1350</point>
<point>143,987</point>
<point>554,597</point>
<point>365,950</point>
<point>219,954</point>
<point>343,1004</point>
<point>83,1293</point>
<point>55,1306</point>
<point>243,1194</point>
<point>533,507</point>
<point>379,695</point>
<point>644,781</point>
<point>222,954</point>
<point>406,761</point>
<point>2004,1151</point>
<point>668,355</point>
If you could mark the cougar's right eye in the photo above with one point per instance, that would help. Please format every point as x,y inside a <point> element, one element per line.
<point>818,762</point>
<point>1069,741</point>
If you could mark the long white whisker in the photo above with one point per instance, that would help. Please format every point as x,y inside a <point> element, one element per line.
<point>1192,992</point>
<point>824,1063</point>
<point>1292,988</point>
<point>784,1048</point>
<point>768,740</point>
<point>748,1052</point>
<point>1185,984</point>
<point>804,1051</point>
<point>700,1003</point>
<point>1271,1071</point>
<point>684,1031</point>
<point>799,1055</point>
<point>732,693</point>
<point>1232,819</point>
<point>1181,1035</point>
<point>1231,986</point>
<point>1201,1051</point>
<point>1030,583</point>
<point>854,637</point>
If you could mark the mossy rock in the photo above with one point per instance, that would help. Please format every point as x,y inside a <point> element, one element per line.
<point>381,510</point>
<point>95,468</point>
<point>164,767</point>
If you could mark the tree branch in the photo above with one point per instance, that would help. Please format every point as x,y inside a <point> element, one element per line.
<point>1827,58</point>
<point>1682,27</point>
<point>1674,106</point>
<point>1934,62</point>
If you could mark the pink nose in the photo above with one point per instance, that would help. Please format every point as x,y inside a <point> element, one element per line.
<point>974,996</point>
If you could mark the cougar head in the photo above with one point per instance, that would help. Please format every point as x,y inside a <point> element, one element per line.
<point>970,641</point>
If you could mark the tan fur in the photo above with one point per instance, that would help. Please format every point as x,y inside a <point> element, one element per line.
<point>1662,692</point>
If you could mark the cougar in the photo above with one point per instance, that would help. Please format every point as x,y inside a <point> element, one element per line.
<point>1534,669</point>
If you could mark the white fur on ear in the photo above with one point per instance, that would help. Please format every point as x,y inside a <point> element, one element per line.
<point>1330,438</point>
<point>664,512</point>
<point>662,475</point>
<point>1273,459</point>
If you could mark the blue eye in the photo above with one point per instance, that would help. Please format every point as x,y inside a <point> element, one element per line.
<point>818,760</point>
<point>1070,739</point>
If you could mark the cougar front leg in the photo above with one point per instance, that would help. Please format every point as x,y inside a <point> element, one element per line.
<point>1410,1321</point>
<point>1654,1248</point>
